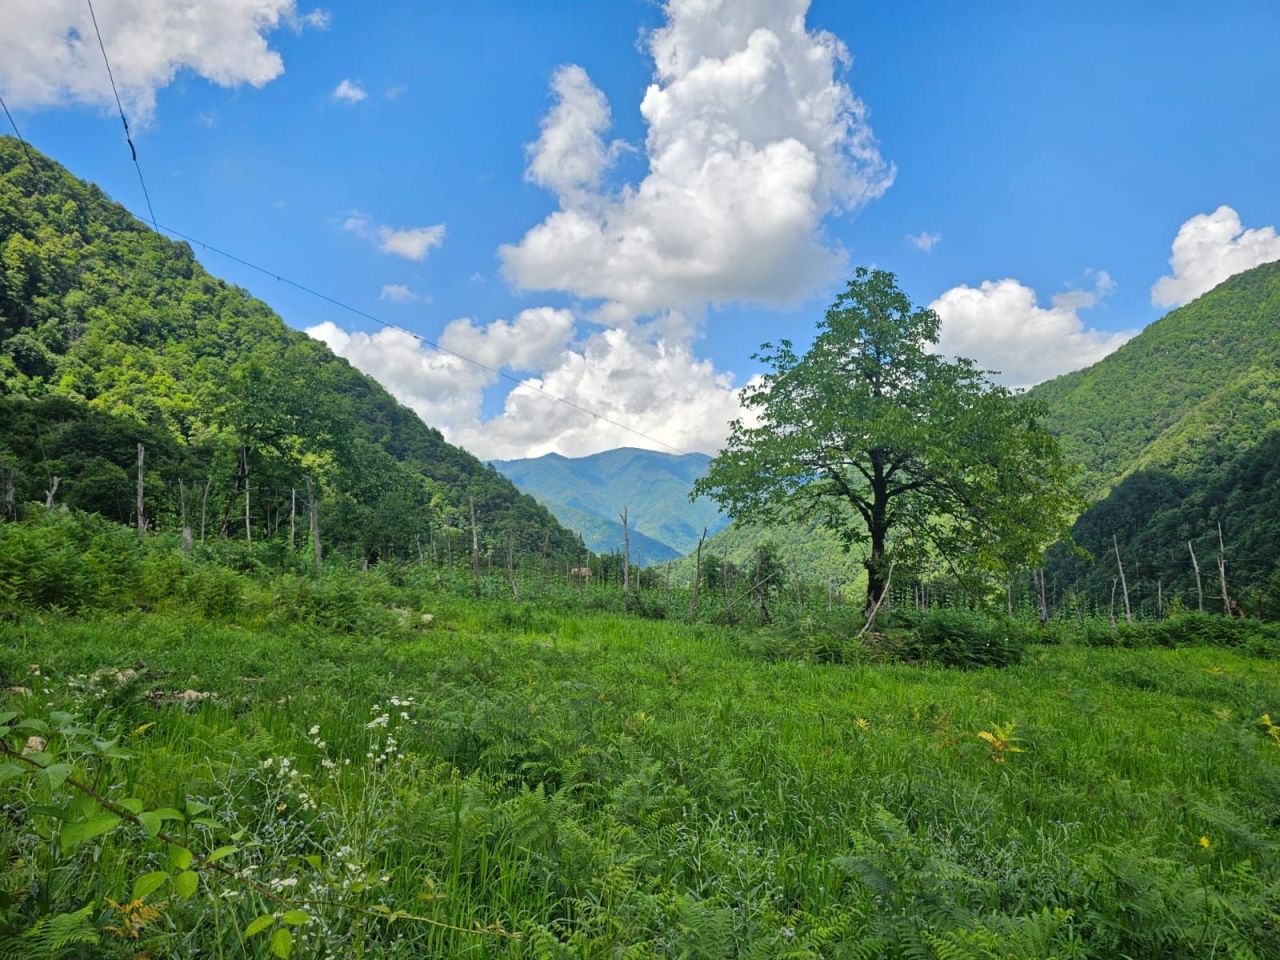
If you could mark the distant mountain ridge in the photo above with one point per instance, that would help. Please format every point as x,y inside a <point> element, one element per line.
<point>588,494</point>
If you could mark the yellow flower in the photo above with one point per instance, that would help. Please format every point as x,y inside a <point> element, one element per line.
<point>1204,842</point>
<point>863,723</point>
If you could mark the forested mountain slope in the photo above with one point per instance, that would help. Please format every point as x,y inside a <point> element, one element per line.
<point>111,334</point>
<point>589,493</point>
<point>1176,432</point>
<point>1205,376</point>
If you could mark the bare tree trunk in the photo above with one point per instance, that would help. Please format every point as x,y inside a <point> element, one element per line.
<point>186,526</point>
<point>1114,581</point>
<point>724,578</point>
<point>293,517</point>
<point>697,574</point>
<point>204,505</point>
<point>511,567</point>
<point>51,493</point>
<point>1128,614</point>
<point>875,608</point>
<point>312,507</point>
<point>666,580</point>
<point>1222,572</point>
<point>244,459</point>
<point>1199,585</point>
<point>142,517</point>
<point>542,569</point>
<point>1042,604</point>
<point>10,496</point>
<point>626,553</point>
<point>475,546</point>
<point>1160,599</point>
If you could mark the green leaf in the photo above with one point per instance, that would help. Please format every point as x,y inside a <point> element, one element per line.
<point>258,925</point>
<point>74,834</point>
<point>282,943</point>
<point>186,883</point>
<point>296,918</point>
<point>8,716</point>
<point>56,774</point>
<point>34,724</point>
<point>149,883</point>
<point>10,770</point>
<point>220,854</point>
<point>60,718</point>
<point>313,859</point>
<point>180,857</point>
<point>150,822</point>
<point>196,807</point>
<point>168,813</point>
<point>132,804</point>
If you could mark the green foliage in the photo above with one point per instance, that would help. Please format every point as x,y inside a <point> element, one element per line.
<point>892,445</point>
<point>963,638</point>
<point>111,335</point>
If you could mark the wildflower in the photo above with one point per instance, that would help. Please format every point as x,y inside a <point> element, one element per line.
<point>863,723</point>
<point>267,763</point>
<point>314,730</point>
<point>1204,842</point>
<point>379,721</point>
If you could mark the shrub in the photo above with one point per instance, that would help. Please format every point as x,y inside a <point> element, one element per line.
<point>961,638</point>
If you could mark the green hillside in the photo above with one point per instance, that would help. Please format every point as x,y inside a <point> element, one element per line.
<point>1204,377</point>
<point>111,335</point>
<point>589,493</point>
<point>808,552</point>
<point>1176,432</point>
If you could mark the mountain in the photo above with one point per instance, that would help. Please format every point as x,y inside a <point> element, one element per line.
<point>1176,432</point>
<point>1203,378</point>
<point>112,335</point>
<point>588,494</point>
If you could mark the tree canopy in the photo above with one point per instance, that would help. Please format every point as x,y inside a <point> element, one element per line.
<point>913,455</point>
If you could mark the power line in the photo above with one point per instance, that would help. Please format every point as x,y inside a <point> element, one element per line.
<point>25,149</point>
<point>120,107</point>
<point>599,417</point>
<point>421,339</point>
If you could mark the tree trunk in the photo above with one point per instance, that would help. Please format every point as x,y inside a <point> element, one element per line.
<point>626,553</point>
<point>293,517</point>
<point>186,526</point>
<point>244,459</point>
<point>1128,614</point>
<point>511,567</point>
<point>475,546</point>
<point>51,493</point>
<point>204,505</point>
<point>697,574</point>
<point>1222,572</point>
<point>10,496</point>
<point>1199,585</point>
<point>141,514</point>
<point>315,523</point>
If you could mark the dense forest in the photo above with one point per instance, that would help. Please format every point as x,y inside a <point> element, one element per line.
<point>114,335</point>
<point>1177,432</point>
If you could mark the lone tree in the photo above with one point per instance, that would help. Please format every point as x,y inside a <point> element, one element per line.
<point>893,445</point>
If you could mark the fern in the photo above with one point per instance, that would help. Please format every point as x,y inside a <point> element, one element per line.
<point>52,937</point>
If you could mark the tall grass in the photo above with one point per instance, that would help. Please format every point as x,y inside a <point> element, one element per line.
<point>605,785</point>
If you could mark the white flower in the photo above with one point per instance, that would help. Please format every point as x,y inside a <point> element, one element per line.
<point>314,730</point>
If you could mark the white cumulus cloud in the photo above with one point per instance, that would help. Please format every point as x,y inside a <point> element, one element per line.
<point>645,381</point>
<point>399,293</point>
<point>1002,327</point>
<point>924,240</point>
<point>1209,248</point>
<point>349,92</point>
<point>752,140</point>
<point>411,243</point>
<point>49,53</point>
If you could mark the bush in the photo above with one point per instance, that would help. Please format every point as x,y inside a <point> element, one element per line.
<point>961,638</point>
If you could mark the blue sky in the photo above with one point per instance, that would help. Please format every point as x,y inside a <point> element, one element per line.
<point>1059,147</point>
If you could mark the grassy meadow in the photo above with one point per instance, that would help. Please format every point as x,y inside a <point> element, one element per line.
<point>460,777</point>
